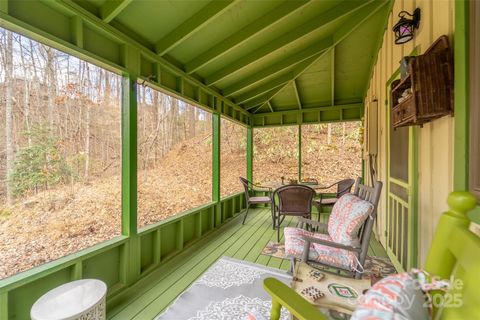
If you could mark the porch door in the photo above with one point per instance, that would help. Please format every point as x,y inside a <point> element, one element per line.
<point>401,191</point>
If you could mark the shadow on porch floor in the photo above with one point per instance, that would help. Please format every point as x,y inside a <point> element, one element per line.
<point>152,294</point>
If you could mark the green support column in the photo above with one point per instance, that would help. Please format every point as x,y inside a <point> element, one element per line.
<point>250,154</point>
<point>216,121</point>
<point>129,155</point>
<point>130,253</point>
<point>461,143</point>
<point>299,153</point>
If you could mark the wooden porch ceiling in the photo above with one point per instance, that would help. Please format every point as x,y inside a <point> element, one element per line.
<point>266,56</point>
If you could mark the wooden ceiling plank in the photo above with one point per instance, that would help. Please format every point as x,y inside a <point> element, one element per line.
<point>263,88</point>
<point>192,25</point>
<point>309,53</point>
<point>233,41</point>
<point>361,16</point>
<point>112,8</point>
<point>332,75</point>
<point>330,16</point>
<point>262,99</point>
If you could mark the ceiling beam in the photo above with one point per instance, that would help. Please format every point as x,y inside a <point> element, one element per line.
<point>112,8</point>
<point>330,16</point>
<point>314,109</point>
<point>361,16</point>
<point>262,99</point>
<point>270,106</point>
<point>297,95</point>
<point>192,25</point>
<point>226,45</point>
<point>309,53</point>
<point>263,88</point>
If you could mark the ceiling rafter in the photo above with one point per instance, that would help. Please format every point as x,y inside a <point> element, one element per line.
<point>330,16</point>
<point>347,28</point>
<point>262,99</point>
<point>309,53</point>
<point>263,88</point>
<point>192,25</point>
<point>112,8</point>
<point>297,95</point>
<point>332,75</point>
<point>266,21</point>
<point>313,109</point>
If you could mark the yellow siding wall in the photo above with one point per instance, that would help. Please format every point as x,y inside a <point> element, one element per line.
<point>435,139</point>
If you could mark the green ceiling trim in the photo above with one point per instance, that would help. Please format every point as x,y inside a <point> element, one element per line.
<point>272,84</point>
<point>361,16</point>
<point>337,113</point>
<point>190,26</point>
<point>112,8</point>
<point>332,75</point>
<point>262,99</point>
<point>233,41</point>
<point>297,95</point>
<point>330,16</point>
<point>309,53</point>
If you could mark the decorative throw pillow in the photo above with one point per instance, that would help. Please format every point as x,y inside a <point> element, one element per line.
<point>348,215</point>
<point>399,296</point>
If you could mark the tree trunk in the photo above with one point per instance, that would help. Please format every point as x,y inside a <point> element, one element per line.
<point>9,113</point>
<point>329,133</point>
<point>50,75</point>
<point>87,128</point>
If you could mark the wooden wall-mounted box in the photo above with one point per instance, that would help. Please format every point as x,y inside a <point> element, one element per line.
<point>426,93</point>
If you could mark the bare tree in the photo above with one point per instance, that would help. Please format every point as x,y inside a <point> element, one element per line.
<point>9,111</point>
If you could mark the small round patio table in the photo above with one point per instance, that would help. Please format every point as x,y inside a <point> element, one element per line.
<point>81,299</point>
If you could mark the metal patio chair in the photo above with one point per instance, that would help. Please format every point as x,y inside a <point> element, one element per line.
<point>293,200</point>
<point>251,188</point>
<point>343,186</point>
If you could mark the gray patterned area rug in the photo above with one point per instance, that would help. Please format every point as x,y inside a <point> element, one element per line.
<point>229,290</point>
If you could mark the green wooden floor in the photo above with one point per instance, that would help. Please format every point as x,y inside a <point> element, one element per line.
<point>155,292</point>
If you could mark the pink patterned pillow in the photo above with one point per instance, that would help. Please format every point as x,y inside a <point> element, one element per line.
<point>348,215</point>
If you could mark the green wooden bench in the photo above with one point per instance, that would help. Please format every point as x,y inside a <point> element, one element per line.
<point>454,254</point>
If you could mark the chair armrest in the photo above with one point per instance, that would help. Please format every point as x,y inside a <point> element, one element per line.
<point>284,296</point>
<point>330,244</point>
<point>314,223</point>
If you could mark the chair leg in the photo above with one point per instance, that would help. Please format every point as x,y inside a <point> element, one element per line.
<point>246,212</point>
<point>273,217</point>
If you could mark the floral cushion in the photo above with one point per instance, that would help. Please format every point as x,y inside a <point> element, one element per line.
<point>400,296</point>
<point>320,253</point>
<point>348,215</point>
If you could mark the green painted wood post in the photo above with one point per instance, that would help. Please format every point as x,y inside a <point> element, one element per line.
<point>216,122</point>
<point>462,76</point>
<point>130,256</point>
<point>250,153</point>
<point>77,271</point>
<point>299,153</point>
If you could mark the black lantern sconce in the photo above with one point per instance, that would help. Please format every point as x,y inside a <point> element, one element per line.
<point>404,29</point>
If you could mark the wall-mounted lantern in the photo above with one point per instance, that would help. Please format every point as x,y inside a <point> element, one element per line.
<point>405,27</point>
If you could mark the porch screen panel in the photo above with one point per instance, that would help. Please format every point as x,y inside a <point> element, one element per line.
<point>60,142</point>
<point>174,156</point>
<point>275,154</point>
<point>233,157</point>
<point>331,152</point>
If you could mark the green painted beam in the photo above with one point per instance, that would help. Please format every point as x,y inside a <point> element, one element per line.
<point>77,31</point>
<point>262,99</point>
<point>191,25</point>
<point>270,106</point>
<point>112,8</point>
<point>309,53</point>
<point>461,89</point>
<point>216,123</point>
<point>299,153</point>
<point>258,91</point>
<point>359,18</point>
<point>233,41</point>
<point>297,95</point>
<point>4,6</point>
<point>330,16</point>
<point>311,109</point>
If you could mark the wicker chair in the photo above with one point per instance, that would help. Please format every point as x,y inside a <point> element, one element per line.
<point>251,188</point>
<point>326,199</point>
<point>370,194</point>
<point>293,200</point>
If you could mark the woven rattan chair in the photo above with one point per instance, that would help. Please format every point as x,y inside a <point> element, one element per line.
<point>251,188</point>
<point>293,200</point>
<point>329,199</point>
